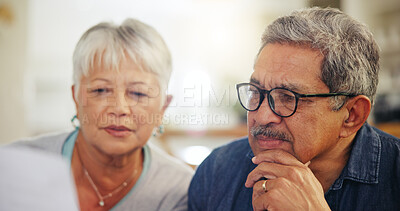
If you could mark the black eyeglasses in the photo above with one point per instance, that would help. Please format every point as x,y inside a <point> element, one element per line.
<point>282,101</point>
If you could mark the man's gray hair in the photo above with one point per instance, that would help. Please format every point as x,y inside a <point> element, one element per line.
<point>351,56</point>
<point>108,44</point>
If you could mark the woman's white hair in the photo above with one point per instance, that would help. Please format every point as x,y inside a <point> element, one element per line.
<point>109,44</point>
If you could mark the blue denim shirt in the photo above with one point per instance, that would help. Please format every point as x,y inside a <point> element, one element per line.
<point>369,181</point>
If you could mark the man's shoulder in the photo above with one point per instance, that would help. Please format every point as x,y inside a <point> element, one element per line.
<point>385,148</point>
<point>225,156</point>
<point>240,143</point>
<point>51,142</point>
<point>383,168</point>
<point>219,180</point>
<point>387,140</point>
<point>239,147</point>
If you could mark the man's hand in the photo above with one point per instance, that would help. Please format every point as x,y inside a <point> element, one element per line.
<point>291,185</point>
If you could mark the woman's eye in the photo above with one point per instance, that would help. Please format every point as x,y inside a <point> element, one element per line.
<point>100,91</point>
<point>138,94</point>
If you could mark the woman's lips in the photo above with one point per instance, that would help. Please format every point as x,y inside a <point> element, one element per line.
<point>118,131</point>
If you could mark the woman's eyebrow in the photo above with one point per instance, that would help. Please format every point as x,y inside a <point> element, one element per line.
<point>136,83</point>
<point>100,79</point>
<point>109,81</point>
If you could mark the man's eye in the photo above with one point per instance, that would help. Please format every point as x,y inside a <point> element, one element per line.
<point>305,100</point>
<point>253,92</point>
<point>287,98</point>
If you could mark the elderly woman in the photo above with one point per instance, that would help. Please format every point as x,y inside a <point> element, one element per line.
<point>120,79</point>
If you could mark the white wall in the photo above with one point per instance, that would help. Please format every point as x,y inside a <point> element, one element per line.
<point>13,56</point>
<point>212,40</point>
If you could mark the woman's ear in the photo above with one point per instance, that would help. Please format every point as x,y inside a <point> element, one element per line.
<point>73,93</point>
<point>75,99</point>
<point>168,100</point>
<point>358,109</point>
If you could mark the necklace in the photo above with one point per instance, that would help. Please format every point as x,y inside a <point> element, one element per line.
<point>103,197</point>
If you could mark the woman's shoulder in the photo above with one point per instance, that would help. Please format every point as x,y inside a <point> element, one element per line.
<point>165,162</point>
<point>51,142</point>
<point>166,181</point>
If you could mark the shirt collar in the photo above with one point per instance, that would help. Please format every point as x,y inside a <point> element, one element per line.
<point>364,160</point>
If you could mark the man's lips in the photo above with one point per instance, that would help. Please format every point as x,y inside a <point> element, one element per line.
<point>270,142</point>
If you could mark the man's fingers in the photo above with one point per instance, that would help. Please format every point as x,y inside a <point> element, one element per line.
<point>277,156</point>
<point>263,170</point>
<point>276,194</point>
<point>258,189</point>
<point>261,203</point>
<point>275,170</point>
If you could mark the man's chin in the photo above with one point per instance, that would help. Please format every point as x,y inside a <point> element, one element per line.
<point>260,145</point>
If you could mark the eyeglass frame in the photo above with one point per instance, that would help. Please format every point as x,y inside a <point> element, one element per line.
<point>264,92</point>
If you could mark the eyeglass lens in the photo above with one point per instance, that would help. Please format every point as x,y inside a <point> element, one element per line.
<point>281,101</point>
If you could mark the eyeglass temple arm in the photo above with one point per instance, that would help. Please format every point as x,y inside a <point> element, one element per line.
<point>326,95</point>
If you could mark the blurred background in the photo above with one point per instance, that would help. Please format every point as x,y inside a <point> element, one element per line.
<point>213,45</point>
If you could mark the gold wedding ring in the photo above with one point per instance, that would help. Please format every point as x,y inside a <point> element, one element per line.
<point>264,185</point>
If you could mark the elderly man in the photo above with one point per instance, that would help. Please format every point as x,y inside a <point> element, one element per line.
<point>309,146</point>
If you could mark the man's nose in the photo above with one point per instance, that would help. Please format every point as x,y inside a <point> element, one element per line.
<point>264,115</point>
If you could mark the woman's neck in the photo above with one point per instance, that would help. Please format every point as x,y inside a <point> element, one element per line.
<point>107,173</point>
<point>105,169</point>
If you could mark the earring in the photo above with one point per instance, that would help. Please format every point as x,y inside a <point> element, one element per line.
<point>161,129</point>
<point>158,131</point>
<point>75,122</point>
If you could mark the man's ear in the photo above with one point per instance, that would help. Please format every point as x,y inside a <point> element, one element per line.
<point>358,109</point>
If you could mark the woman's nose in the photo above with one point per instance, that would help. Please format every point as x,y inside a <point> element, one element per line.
<point>121,106</point>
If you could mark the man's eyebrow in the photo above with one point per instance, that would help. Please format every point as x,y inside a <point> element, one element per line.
<point>254,81</point>
<point>289,86</point>
<point>293,87</point>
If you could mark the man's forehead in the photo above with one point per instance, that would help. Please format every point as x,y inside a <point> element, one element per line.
<point>297,68</point>
<point>297,87</point>
<point>288,57</point>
